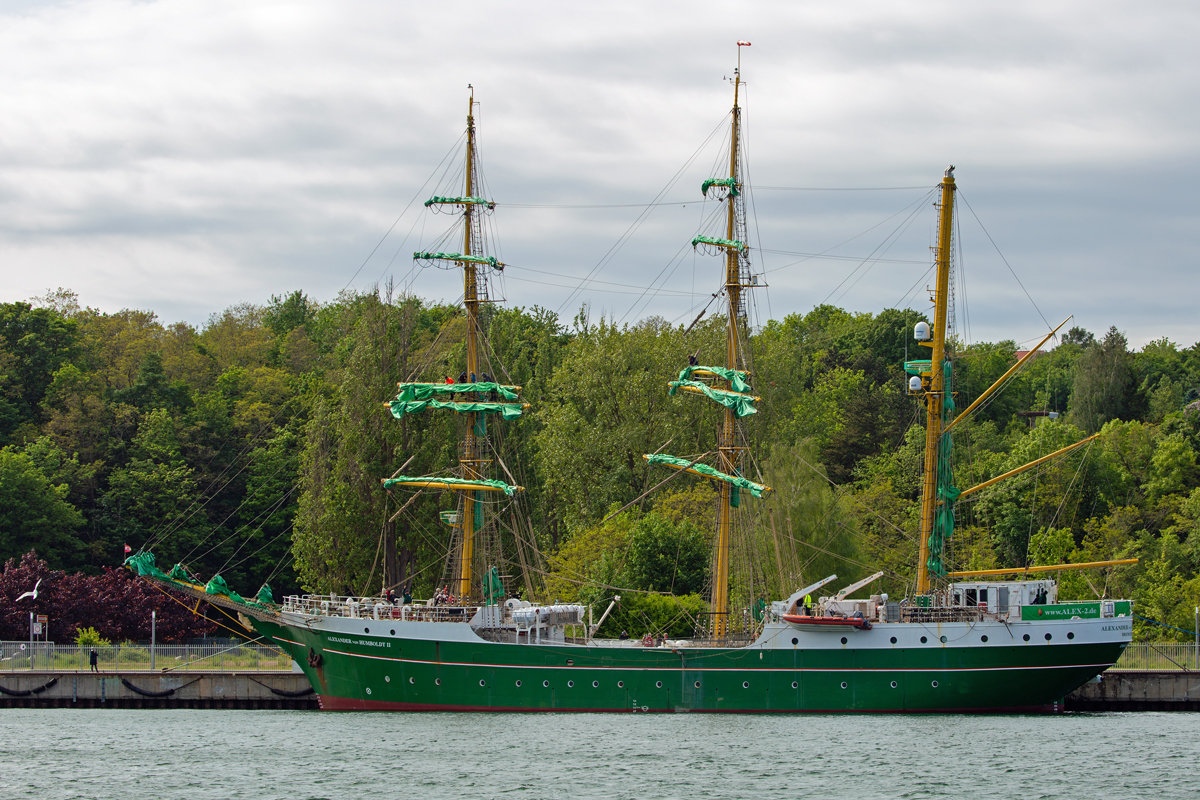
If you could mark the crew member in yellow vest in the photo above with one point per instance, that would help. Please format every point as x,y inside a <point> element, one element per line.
<point>808,605</point>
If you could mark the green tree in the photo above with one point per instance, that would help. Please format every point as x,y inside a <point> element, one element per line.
<point>35,514</point>
<point>1103,378</point>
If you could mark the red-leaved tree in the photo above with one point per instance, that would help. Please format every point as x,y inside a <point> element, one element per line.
<point>116,603</point>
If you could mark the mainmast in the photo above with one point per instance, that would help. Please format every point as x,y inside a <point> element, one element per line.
<point>729,451</point>
<point>725,384</point>
<point>936,394</point>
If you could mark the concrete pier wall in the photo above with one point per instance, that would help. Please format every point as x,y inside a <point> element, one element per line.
<point>281,690</point>
<point>1138,691</point>
<point>1115,691</point>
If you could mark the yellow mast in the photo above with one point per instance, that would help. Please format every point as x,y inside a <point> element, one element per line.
<point>471,446</point>
<point>934,395</point>
<point>729,451</point>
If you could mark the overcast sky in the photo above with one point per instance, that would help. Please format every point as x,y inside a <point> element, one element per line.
<point>186,156</point>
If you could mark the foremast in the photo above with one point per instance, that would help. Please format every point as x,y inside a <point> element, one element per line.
<point>470,395</point>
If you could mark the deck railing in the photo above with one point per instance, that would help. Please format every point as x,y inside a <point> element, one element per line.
<point>51,657</point>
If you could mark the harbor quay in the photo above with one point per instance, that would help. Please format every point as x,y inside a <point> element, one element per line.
<point>230,690</point>
<point>1148,677</point>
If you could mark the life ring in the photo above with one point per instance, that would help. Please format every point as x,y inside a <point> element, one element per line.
<point>647,641</point>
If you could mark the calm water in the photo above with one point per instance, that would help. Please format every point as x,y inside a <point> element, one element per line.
<point>143,755</point>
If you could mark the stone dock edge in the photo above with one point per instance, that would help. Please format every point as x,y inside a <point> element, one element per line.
<point>1113,691</point>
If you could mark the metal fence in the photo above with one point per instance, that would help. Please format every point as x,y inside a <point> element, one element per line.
<point>1159,657</point>
<point>220,656</point>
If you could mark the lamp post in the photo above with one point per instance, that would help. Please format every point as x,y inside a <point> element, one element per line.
<point>153,616</point>
<point>31,641</point>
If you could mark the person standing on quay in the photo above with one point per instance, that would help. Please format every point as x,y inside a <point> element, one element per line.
<point>94,660</point>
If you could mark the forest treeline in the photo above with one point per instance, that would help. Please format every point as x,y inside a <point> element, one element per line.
<point>253,446</point>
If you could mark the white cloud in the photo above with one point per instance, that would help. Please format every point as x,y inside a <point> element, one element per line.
<point>184,156</point>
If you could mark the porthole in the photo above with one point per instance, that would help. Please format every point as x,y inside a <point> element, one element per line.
<point>545,684</point>
<point>795,640</point>
<point>923,640</point>
<point>893,684</point>
<point>658,684</point>
<point>1026,637</point>
<point>1048,637</point>
<point>595,684</point>
<point>1070,636</point>
<point>481,683</point>
<point>843,640</point>
<point>893,640</point>
<point>795,685</point>
<point>570,684</point>
<point>368,690</point>
<point>620,684</point>
<point>393,633</point>
<point>745,684</point>
<point>934,684</point>
<point>366,630</point>
<point>518,684</point>
<point>570,663</point>
<point>983,638</point>
<point>943,640</point>
<point>412,680</point>
<point>844,684</point>
<point>387,678</point>
<point>437,681</point>
<point>697,684</point>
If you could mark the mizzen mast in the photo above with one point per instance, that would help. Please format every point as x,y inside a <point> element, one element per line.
<point>936,402</point>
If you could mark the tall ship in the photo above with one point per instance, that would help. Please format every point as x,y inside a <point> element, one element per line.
<point>960,642</point>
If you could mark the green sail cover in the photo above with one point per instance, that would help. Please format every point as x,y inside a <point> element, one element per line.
<point>947,494</point>
<point>264,595</point>
<point>408,392</point>
<point>486,260</point>
<point>218,586</point>
<point>736,378</point>
<point>507,410</point>
<point>493,589</point>
<point>474,201</point>
<point>388,483</point>
<point>143,564</point>
<point>729,183</point>
<point>178,573</point>
<point>731,243</point>
<point>756,489</point>
<point>741,405</point>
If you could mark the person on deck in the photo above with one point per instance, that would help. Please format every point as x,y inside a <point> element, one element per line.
<point>447,379</point>
<point>808,605</point>
<point>624,635</point>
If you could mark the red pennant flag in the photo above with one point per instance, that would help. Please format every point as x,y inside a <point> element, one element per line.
<point>742,43</point>
<point>128,549</point>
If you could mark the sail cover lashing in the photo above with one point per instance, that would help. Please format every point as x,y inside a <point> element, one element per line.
<point>704,470</point>
<point>947,494</point>
<point>470,484</point>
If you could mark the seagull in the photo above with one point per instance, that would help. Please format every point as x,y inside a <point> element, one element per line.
<point>32,594</point>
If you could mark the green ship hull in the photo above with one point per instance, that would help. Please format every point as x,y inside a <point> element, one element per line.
<point>361,671</point>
